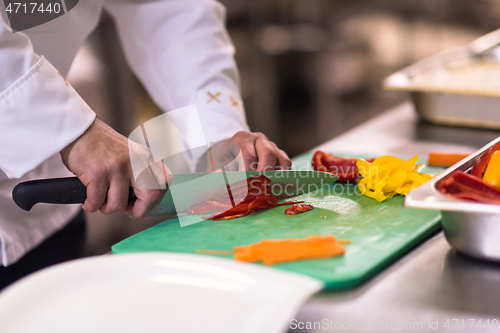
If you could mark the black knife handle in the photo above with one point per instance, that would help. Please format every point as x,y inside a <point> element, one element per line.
<point>55,191</point>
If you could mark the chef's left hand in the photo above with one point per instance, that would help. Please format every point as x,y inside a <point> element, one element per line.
<point>259,153</point>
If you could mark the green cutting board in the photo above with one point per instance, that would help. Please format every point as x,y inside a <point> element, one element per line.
<point>380,232</point>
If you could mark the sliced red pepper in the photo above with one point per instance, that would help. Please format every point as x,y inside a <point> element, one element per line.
<point>258,185</point>
<point>477,198</point>
<point>252,187</point>
<point>207,207</point>
<point>480,167</point>
<point>230,217</point>
<point>258,189</point>
<point>297,209</point>
<point>461,185</point>
<point>345,168</point>
<point>262,201</point>
<point>290,203</point>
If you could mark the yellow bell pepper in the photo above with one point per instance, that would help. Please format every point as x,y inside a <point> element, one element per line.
<point>387,176</point>
<point>492,173</point>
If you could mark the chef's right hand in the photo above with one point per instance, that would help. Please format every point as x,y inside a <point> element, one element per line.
<point>100,158</point>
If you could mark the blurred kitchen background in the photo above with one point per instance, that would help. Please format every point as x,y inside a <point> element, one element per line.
<point>310,70</point>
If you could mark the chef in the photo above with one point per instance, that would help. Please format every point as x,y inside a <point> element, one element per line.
<point>182,54</point>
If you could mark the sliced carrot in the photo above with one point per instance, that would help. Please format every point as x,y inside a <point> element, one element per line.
<point>315,247</point>
<point>251,253</point>
<point>272,251</point>
<point>444,159</point>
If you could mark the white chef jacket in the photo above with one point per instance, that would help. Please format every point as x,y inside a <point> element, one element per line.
<point>179,49</point>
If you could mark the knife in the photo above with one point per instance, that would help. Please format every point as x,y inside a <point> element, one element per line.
<point>185,190</point>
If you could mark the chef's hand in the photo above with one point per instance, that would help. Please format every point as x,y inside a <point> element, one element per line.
<point>100,159</point>
<point>259,153</point>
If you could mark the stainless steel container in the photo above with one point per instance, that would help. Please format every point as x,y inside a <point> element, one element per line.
<point>471,228</point>
<point>473,102</point>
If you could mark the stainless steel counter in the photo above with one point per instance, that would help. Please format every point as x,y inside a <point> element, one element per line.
<point>432,288</point>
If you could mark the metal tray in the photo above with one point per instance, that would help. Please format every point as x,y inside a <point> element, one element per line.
<point>471,228</point>
<point>472,106</point>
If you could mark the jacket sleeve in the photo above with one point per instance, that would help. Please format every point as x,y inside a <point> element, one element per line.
<point>182,53</point>
<point>40,113</point>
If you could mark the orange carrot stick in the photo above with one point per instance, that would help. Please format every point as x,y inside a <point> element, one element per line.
<point>273,251</point>
<point>444,159</point>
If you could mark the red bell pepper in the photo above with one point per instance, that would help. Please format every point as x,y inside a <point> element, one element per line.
<point>258,197</point>
<point>297,209</point>
<point>480,167</point>
<point>345,168</point>
<point>461,185</point>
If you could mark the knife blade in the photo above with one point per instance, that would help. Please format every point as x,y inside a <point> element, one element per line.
<point>185,190</point>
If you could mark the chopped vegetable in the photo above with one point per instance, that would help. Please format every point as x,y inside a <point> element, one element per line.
<point>345,168</point>
<point>293,202</point>
<point>271,251</point>
<point>258,197</point>
<point>444,159</point>
<point>387,176</point>
<point>461,185</point>
<point>481,164</point>
<point>297,209</point>
<point>492,173</point>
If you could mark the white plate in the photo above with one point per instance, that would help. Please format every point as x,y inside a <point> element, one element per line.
<point>154,292</point>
